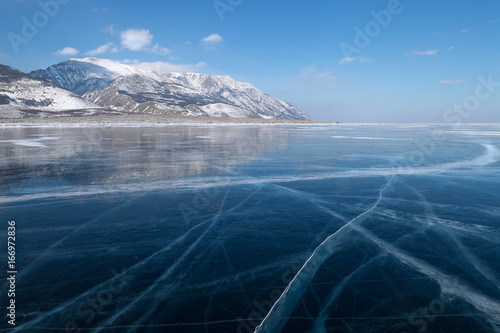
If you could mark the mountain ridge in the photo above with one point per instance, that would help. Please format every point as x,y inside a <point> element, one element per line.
<point>125,88</point>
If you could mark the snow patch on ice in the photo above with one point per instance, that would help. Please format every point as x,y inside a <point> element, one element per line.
<point>26,143</point>
<point>31,142</point>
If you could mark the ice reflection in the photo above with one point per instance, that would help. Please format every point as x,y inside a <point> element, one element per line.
<point>113,156</point>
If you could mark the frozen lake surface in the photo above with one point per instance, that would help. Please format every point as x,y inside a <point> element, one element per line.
<point>338,228</point>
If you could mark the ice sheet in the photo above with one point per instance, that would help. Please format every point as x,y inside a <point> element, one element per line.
<point>230,228</point>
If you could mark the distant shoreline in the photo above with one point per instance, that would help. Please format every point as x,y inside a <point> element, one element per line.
<point>133,120</point>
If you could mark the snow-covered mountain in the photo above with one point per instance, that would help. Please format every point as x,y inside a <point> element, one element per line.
<point>21,93</point>
<point>86,75</point>
<point>192,94</point>
<point>125,88</point>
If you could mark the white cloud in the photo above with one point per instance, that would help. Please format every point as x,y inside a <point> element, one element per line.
<point>2,55</point>
<point>421,53</point>
<point>212,39</point>
<point>451,82</point>
<point>140,40</point>
<point>345,61</point>
<point>365,59</point>
<point>465,30</point>
<point>101,49</point>
<point>161,67</point>
<point>67,51</point>
<point>135,39</point>
<point>451,48</point>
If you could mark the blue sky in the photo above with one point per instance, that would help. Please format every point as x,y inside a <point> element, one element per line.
<point>338,60</point>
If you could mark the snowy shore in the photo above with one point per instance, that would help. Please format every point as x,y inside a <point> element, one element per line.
<point>133,120</point>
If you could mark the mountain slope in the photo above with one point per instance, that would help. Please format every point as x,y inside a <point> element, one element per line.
<point>125,88</point>
<point>19,91</point>
<point>82,76</point>
<point>225,90</point>
<point>141,95</point>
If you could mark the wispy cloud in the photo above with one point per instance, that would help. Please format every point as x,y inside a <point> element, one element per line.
<point>451,82</point>
<point>324,75</point>
<point>110,29</point>
<point>465,30</point>
<point>346,61</point>
<point>313,72</point>
<point>67,51</point>
<point>162,67</point>
<point>306,71</point>
<point>212,41</point>
<point>131,61</point>
<point>421,53</point>
<point>157,49</point>
<point>310,80</point>
<point>350,60</point>
<point>101,49</point>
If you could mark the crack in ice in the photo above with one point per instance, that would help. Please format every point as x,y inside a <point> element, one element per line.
<point>283,307</point>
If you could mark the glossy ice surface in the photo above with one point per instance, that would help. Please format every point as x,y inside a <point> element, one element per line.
<point>346,228</point>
